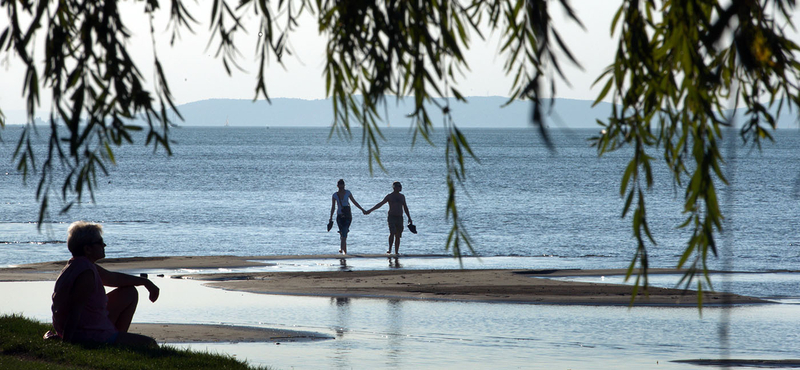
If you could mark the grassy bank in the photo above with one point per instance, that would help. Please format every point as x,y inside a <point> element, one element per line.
<point>22,347</point>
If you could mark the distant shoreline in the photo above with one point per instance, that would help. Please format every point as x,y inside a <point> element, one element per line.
<point>478,112</point>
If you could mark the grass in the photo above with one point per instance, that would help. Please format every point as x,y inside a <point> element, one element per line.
<point>22,347</point>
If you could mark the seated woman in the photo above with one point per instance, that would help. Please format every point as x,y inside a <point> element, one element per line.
<point>82,311</point>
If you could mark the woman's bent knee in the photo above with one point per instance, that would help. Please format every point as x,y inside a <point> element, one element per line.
<point>123,297</point>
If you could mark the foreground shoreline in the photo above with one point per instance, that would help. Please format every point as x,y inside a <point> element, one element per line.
<point>487,285</point>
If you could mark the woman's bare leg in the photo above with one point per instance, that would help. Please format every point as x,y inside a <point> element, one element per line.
<point>121,307</point>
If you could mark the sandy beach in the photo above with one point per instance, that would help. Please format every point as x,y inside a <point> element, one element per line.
<point>510,286</point>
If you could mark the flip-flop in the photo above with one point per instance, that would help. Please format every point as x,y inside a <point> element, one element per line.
<point>330,225</point>
<point>412,228</point>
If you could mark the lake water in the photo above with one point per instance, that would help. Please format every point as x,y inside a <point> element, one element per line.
<point>398,334</point>
<point>258,191</point>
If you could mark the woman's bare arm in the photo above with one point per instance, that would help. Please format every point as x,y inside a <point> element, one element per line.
<point>118,279</point>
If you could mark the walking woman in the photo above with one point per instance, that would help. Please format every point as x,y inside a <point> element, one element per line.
<point>397,204</point>
<point>341,203</point>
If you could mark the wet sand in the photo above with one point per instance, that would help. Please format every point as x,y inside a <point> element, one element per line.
<point>509,286</point>
<point>195,333</point>
<point>44,271</point>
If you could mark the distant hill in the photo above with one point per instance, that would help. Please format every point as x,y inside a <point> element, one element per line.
<point>478,112</point>
<point>484,112</point>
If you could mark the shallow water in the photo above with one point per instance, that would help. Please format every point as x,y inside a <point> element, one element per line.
<point>353,262</point>
<point>252,191</point>
<point>381,333</point>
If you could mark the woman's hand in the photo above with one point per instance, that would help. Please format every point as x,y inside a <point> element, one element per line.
<point>153,289</point>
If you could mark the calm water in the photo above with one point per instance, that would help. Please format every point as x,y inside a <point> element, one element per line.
<point>392,334</point>
<point>258,191</point>
<point>248,191</point>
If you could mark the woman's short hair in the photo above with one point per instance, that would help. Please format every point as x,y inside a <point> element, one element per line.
<point>81,233</point>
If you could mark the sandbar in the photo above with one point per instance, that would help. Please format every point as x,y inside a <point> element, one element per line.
<point>197,333</point>
<point>474,285</point>
<point>481,285</point>
<point>471,285</point>
<point>527,286</point>
<point>45,271</point>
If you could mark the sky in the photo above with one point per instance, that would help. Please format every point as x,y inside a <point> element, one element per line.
<point>194,73</point>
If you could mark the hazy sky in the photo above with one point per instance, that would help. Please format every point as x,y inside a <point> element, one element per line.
<point>195,74</point>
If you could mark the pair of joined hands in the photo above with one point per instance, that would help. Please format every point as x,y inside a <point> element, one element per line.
<point>362,211</point>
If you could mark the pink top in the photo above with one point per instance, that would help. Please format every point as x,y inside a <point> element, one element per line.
<point>94,324</point>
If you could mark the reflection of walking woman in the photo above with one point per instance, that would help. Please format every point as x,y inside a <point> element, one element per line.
<point>344,217</point>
